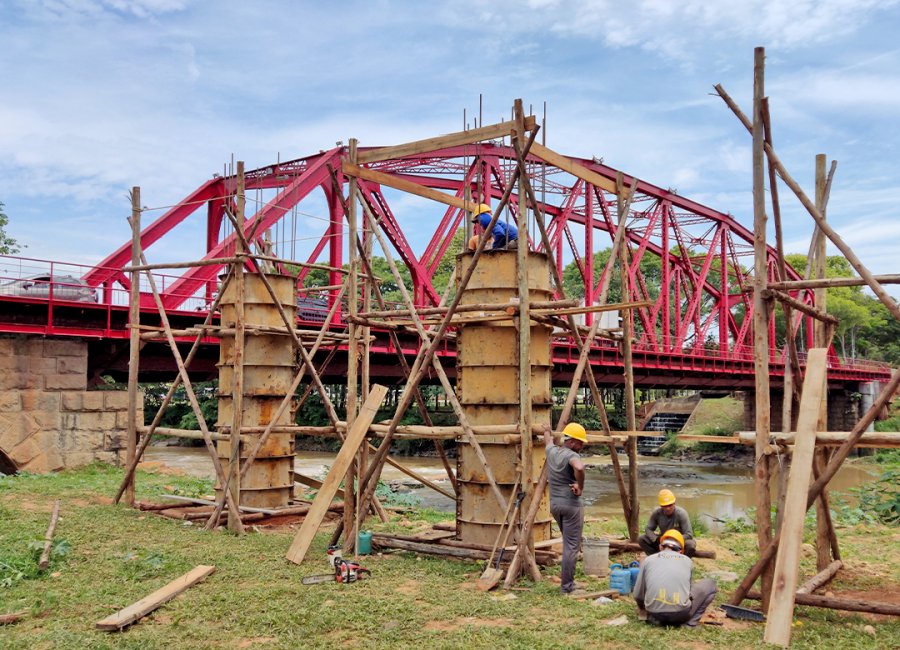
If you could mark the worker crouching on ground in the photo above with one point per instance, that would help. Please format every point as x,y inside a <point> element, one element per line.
<point>663,591</point>
<point>565,475</point>
<point>505,235</point>
<point>668,516</point>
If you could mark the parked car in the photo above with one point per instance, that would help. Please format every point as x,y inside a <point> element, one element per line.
<point>65,287</point>
<point>312,309</point>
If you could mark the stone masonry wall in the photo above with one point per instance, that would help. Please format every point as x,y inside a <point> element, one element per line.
<point>48,419</point>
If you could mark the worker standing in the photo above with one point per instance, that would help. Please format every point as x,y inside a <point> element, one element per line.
<point>663,590</point>
<point>565,476</point>
<point>668,516</point>
<point>505,235</point>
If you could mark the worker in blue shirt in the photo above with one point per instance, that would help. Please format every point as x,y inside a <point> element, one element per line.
<point>505,235</point>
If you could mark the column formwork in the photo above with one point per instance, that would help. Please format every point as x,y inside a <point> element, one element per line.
<point>487,386</point>
<point>269,367</point>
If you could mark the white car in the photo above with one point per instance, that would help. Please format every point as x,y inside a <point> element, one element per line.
<point>65,287</point>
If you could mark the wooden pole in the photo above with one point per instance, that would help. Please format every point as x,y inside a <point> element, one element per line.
<point>134,350</point>
<point>760,321</point>
<point>352,355</point>
<point>823,577</point>
<point>48,538</point>
<point>526,457</point>
<point>820,336</point>
<point>828,283</point>
<point>237,381</point>
<point>845,604</point>
<point>780,611</point>
<point>628,333</point>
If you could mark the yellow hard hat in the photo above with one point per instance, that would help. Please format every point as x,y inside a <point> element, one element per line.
<point>675,536</point>
<point>666,497</point>
<point>576,431</point>
<point>482,208</point>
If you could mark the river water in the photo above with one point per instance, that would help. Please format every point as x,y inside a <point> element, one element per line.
<point>713,491</point>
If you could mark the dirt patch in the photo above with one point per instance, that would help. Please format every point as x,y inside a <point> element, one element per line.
<point>450,626</point>
<point>408,588</point>
<point>159,467</point>
<point>249,643</point>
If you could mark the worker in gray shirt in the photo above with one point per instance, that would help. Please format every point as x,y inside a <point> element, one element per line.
<point>668,516</point>
<point>663,590</point>
<point>565,475</point>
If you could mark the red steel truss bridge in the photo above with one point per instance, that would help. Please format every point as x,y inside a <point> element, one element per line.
<point>693,262</point>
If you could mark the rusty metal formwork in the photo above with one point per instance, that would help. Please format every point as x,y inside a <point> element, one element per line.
<point>269,367</point>
<point>488,389</point>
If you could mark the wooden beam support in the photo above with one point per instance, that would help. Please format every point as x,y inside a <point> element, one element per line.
<point>472,136</point>
<point>829,283</point>
<point>575,169</point>
<point>356,435</point>
<point>780,612</point>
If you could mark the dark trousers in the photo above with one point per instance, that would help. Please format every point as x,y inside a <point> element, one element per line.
<point>650,545</point>
<point>570,519</point>
<point>702,594</point>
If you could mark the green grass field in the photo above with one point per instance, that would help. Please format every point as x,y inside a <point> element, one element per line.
<point>109,556</point>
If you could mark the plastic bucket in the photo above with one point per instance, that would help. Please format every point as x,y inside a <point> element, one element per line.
<point>365,542</point>
<point>596,556</point>
<point>620,579</point>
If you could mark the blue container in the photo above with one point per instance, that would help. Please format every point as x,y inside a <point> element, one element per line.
<point>365,542</point>
<point>620,578</point>
<point>634,568</point>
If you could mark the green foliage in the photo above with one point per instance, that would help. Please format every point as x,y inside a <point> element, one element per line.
<point>879,500</point>
<point>698,524</point>
<point>400,499</point>
<point>710,447</point>
<point>8,245</point>
<point>137,565</point>
<point>194,487</point>
<point>671,445</point>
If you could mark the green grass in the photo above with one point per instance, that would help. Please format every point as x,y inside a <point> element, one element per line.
<point>117,555</point>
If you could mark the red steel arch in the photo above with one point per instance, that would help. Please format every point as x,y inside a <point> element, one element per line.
<point>701,296</point>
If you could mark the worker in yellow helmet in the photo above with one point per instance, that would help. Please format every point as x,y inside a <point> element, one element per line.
<point>505,236</point>
<point>663,590</point>
<point>668,516</point>
<point>565,476</point>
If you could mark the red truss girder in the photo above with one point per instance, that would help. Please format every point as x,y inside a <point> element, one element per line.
<point>703,287</point>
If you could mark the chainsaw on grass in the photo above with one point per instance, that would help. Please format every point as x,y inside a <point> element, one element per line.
<point>344,573</point>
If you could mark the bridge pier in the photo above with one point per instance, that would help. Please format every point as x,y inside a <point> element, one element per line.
<point>845,407</point>
<point>49,421</point>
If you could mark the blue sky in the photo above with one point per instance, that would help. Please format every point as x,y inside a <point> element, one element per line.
<point>101,95</point>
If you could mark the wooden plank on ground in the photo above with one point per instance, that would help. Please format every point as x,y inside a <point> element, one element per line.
<point>355,437</point>
<point>159,597</point>
<point>787,562</point>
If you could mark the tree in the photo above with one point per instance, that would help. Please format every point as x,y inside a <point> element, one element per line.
<point>8,245</point>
